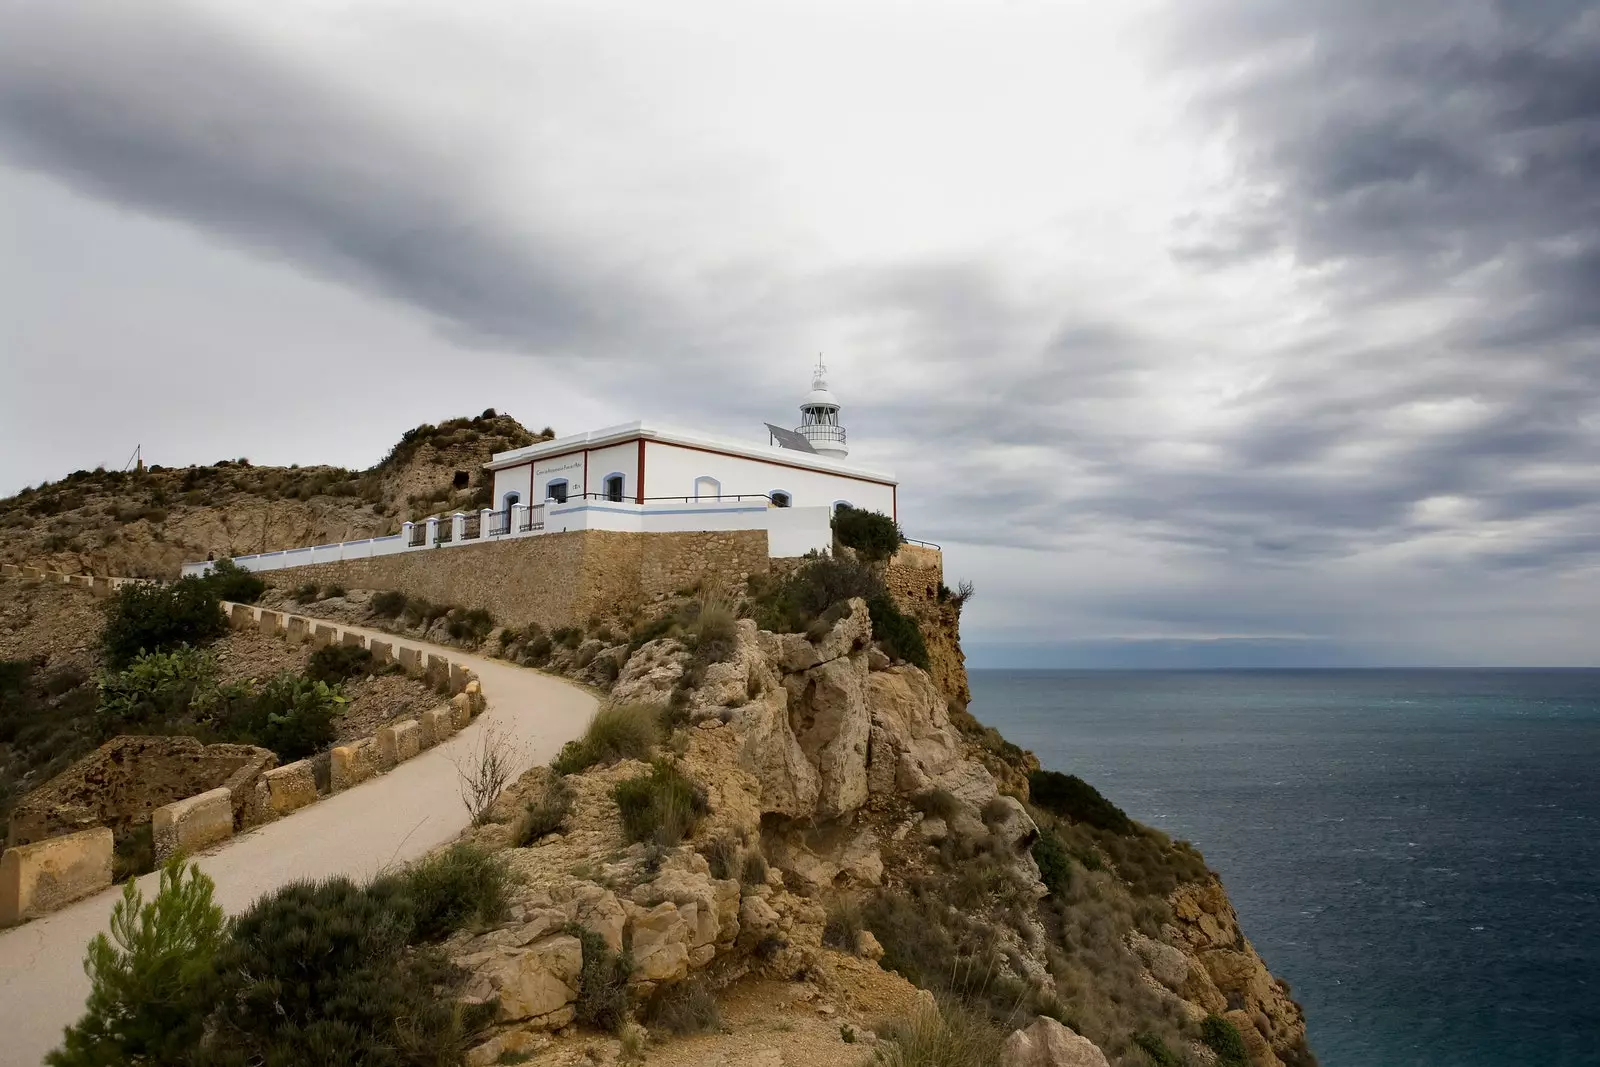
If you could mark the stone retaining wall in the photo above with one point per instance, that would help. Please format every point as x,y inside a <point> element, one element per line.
<point>558,579</point>
<point>37,879</point>
<point>914,577</point>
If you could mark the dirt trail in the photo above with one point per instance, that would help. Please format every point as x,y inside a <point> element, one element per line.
<point>392,818</point>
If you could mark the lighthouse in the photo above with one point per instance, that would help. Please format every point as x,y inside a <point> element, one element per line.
<point>819,417</point>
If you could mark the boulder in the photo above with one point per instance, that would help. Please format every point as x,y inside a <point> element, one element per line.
<point>849,634</point>
<point>538,983</point>
<point>650,674</point>
<point>1166,965</point>
<point>829,717</point>
<point>598,909</point>
<point>913,742</point>
<point>867,946</point>
<point>769,750</point>
<point>660,938</point>
<point>1049,1044</point>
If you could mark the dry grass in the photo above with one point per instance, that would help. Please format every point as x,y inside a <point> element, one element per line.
<point>617,732</point>
<point>947,1036</point>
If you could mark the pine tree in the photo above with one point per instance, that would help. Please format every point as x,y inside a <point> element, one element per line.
<point>148,1001</point>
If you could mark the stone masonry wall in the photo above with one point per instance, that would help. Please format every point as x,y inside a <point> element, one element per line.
<point>120,783</point>
<point>913,578</point>
<point>557,579</point>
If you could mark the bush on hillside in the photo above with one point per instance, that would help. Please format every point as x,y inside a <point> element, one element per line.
<point>603,983</point>
<point>388,604</point>
<point>321,973</point>
<point>1223,1038</point>
<point>232,582</point>
<point>151,990</point>
<point>339,663</point>
<point>292,715</point>
<point>809,597</point>
<point>617,732</point>
<point>468,624</point>
<point>1055,863</point>
<point>897,632</point>
<point>461,887</point>
<point>157,618</point>
<point>661,807</point>
<point>546,814</point>
<point>1073,798</point>
<point>155,693</point>
<point>947,1036</point>
<point>874,535</point>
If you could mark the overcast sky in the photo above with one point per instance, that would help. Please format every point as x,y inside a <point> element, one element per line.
<point>1198,331</point>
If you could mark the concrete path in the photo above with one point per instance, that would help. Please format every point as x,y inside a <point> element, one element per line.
<point>387,820</point>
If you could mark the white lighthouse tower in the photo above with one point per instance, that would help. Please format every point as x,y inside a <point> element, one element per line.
<point>819,417</point>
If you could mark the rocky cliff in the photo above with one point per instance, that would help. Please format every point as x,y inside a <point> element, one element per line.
<point>844,809</point>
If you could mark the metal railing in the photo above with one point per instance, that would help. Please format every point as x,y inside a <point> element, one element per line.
<point>724,498</point>
<point>419,535</point>
<point>499,523</point>
<point>472,527</point>
<point>532,519</point>
<point>821,431</point>
<point>446,532</point>
<point>924,544</point>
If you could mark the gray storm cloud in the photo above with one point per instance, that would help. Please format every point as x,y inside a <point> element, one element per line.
<point>1427,174</point>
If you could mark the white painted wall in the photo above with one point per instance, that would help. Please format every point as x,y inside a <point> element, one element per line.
<point>796,531</point>
<point>513,480</point>
<point>671,470</point>
<point>547,470</point>
<point>612,459</point>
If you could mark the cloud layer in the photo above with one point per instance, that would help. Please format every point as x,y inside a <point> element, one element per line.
<point>1247,321</point>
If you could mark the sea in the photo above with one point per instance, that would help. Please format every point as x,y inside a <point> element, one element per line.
<point>1416,852</point>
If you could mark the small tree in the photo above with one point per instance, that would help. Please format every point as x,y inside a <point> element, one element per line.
<point>233,582</point>
<point>156,618</point>
<point>485,770</point>
<point>150,991</point>
<point>874,535</point>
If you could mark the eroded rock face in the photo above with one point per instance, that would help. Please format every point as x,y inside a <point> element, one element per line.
<point>650,674</point>
<point>912,740</point>
<point>537,983</point>
<point>829,717</point>
<point>1049,1044</point>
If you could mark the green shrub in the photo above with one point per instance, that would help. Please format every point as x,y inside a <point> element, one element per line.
<point>897,632</point>
<point>305,594</point>
<point>451,890</point>
<point>657,628</point>
<point>790,606</point>
<point>617,732</point>
<point>339,663</point>
<point>1055,864</point>
<point>661,807</point>
<point>468,624</point>
<point>537,650</point>
<point>388,604</point>
<point>331,590</point>
<point>715,630</point>
<point>686,1007</point>
<point>156,618</point>
<point>292,715</point>
<point>151,991</point>
<point>602,984</point>
<point>873,535</point>
<point>1158,1051</point>
<point>319,973</point>
<point>1071,797</point>
<point>567,636</point>
<point>1223,1038</point>
<point>232,582</point>
<point>155,692</point>
<point>547,814</point>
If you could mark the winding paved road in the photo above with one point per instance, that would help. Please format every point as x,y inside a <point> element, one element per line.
<point>394,817</point>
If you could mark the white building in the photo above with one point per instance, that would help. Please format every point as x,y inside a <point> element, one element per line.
<point>645,478</point>
<point>649,464</point>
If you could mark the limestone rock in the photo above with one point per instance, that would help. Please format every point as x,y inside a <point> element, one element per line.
<point>510,1046</point>
<point>867,946</point>
<point>828,713</point>
<point>660,938</point>
<point>1166,964</point>
<point>968,782</point>
<point>850,634</point>
<point>1049,1044</point>
<point>913,742</point>
<point>769,750</point>
<point>651,673</point>
<point>598,909</point>
<point>538,983</point>
<point>1014,826</point>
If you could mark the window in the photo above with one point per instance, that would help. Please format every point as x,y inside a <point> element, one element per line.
<point>613,488</point>
<point>780,499</point>
<point>707,488</point>
<point>511,500</point>
<point>837,504</point>
<point>556,489</point>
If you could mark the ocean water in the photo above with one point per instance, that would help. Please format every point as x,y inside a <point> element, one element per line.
<point>1416,852</point>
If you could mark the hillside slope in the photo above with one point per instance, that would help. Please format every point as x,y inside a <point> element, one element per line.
<point>148,522</point>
